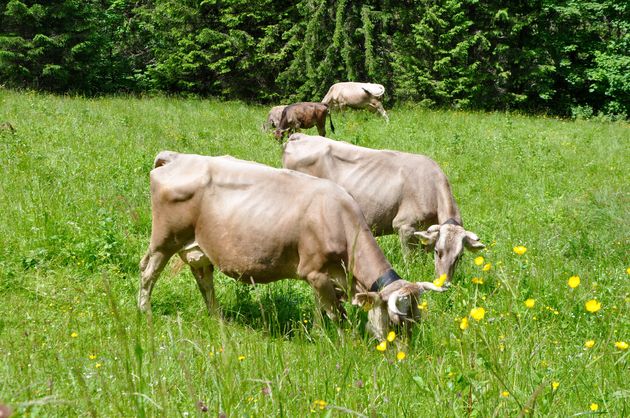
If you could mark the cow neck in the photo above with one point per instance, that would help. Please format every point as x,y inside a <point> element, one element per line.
<point>368,261</point>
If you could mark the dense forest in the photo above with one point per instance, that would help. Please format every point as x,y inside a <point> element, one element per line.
<point>563,57</point>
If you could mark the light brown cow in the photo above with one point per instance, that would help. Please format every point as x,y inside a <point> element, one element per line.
<point>356,95</point>
<point>273,117</point>
<point>397,192</point>
<point>303,115</point>
<point>259,224</point>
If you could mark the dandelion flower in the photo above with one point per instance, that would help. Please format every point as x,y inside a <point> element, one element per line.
<point>320,404</point>
<point>477,313</point>
<point>401,355</point>
<point>477,280</point>
<point>241,358</point>
<point>487,267</point>
<point>382,346</point>
<point>530,303</point>
<point>589,344</point>
<point>519,249</point>
<point>74,334</point>
<point>463,324</point>
<point>628,270</point>
<point>424,306</point>
<point>439,282</point>
<point>594,407</point>
<point>97,365</point>
<point>479,260</point>
<point>593,306</point>
<point>554,385</point>
<point>391,336</point>
<point>621,345</point>
<point>573,282</point>
<point>505,394</point>
<point>92,356</point>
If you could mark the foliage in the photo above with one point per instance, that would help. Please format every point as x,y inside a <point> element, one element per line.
<point>556,56</point>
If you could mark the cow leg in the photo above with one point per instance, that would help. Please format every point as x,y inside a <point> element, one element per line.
<point>406,236</point>
<point>321,127</point>
<point>327,296</point>
<point>151,266</point>
<point>205,282</point>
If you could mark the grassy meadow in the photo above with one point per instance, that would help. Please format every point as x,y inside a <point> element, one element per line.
<point>76,220</point>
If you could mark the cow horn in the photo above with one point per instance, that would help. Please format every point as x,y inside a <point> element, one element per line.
<point>392,303</point>
<point>433,228</point>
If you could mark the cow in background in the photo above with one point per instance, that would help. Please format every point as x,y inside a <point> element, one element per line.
<point>259,224</point>
<point>356,95</point>
<point>303,115</point>
<point>273,118</point>
<point>397,192</point>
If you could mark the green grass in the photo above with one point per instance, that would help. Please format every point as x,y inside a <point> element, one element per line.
<point>76,220</point>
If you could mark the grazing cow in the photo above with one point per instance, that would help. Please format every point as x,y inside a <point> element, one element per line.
<point>357,96</point>
<point>273,118</point>
<point>259,224</point>
<point>303,115</point>
<point>397,192</point>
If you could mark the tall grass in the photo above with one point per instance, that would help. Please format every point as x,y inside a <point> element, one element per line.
<point>76,220</point>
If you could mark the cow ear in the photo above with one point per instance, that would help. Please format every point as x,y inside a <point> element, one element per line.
<point>472,243</point>
<point>428,237</point>
<point>366,299</point>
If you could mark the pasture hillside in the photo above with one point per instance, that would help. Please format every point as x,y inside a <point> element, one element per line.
<point>76,220</point>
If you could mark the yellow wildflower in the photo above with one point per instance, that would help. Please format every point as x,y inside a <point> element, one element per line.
<point>439,282</point>
<point>594,407</point>
<point>621,345</point>
<point>97,365</point>
<point>241,358</point>
<point>530,303</point>
<point>593,306</point>
<point>554,385</point>
<point>505,394</point>
<point>92,356</point>
<point>519,249</point>
<point>391,336</point>
<point>320,404</point>
<point>382,346</point>
<point>401,355</point>
<point>477,313</point>
<point>487,267</point>
<point>479,260</point>
<point>573,282</point>
<point>477,280</point>
<point>463,324</point>
<point>589,344</point>
<point>74,334</point>
<point>628,270</point>
<point>424,306</point>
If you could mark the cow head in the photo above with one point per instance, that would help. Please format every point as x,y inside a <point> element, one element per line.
<point>397,304</point>
<point>448,242</point>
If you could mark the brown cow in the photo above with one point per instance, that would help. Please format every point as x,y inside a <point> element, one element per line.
<point>357,96</point>
<point>397,192</point>
<point>304,115</point>
<point>259,224</point>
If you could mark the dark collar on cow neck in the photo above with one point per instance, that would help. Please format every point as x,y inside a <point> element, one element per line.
<point>451,221</point>
<point>389,277</point>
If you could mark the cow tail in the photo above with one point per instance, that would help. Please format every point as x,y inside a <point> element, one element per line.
<point>332,127</point>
